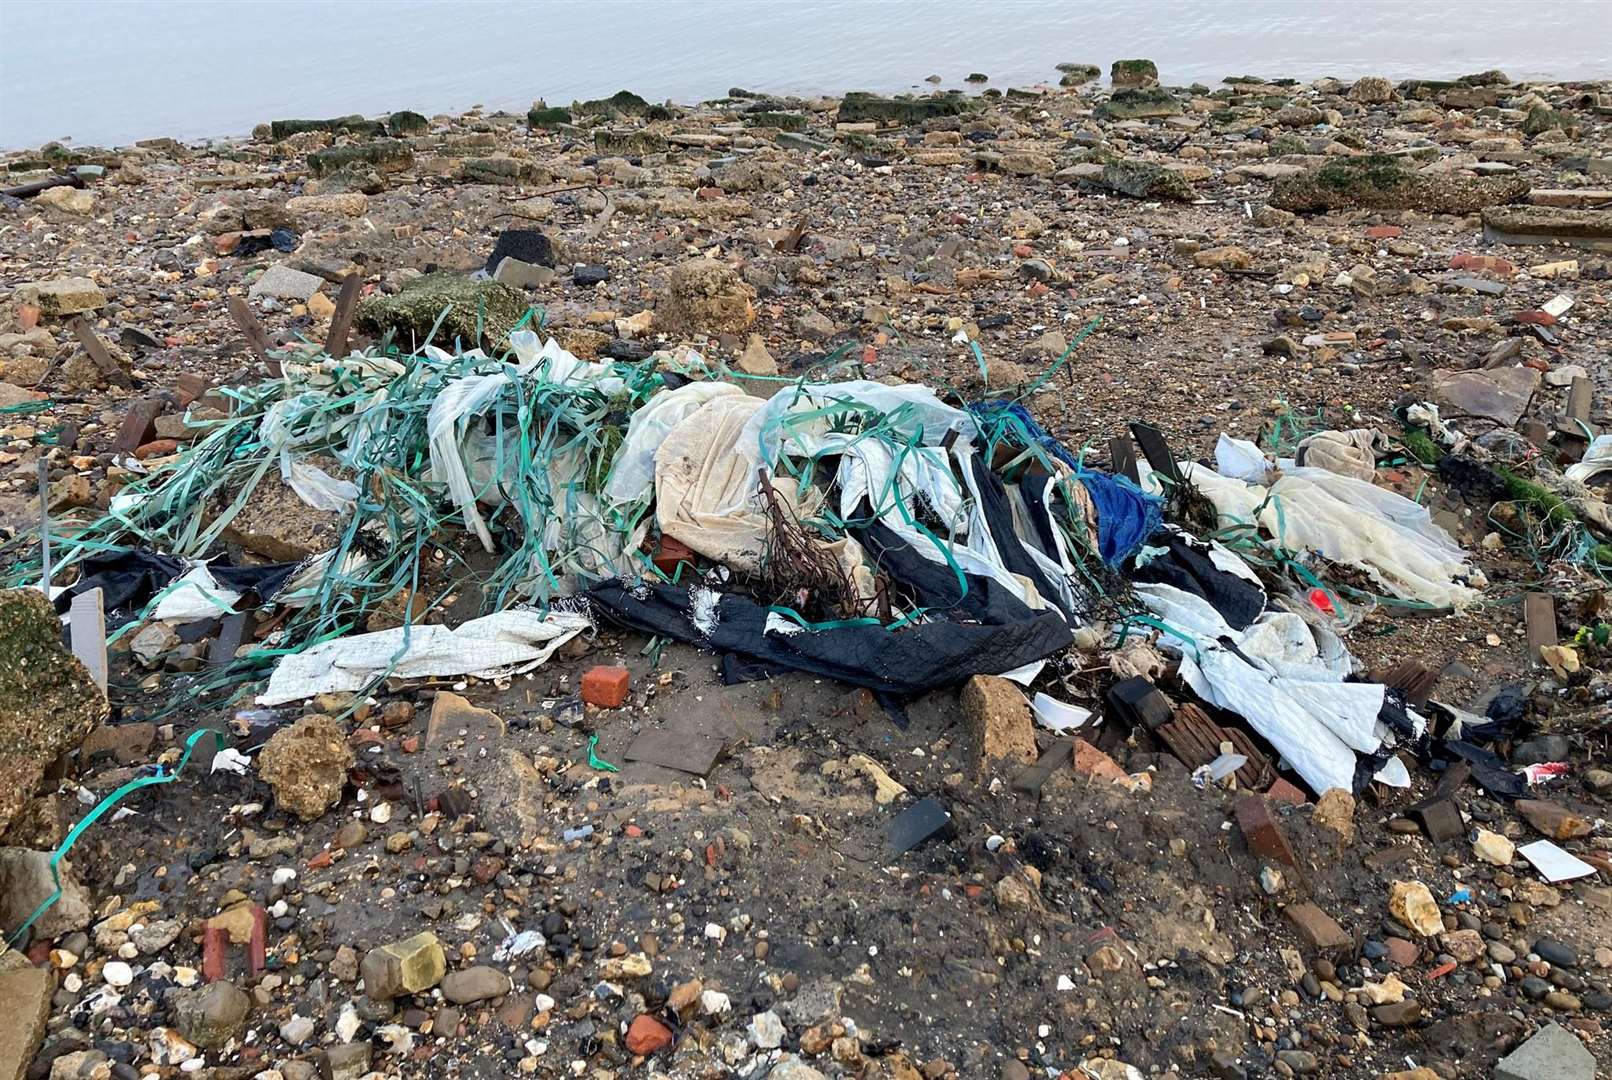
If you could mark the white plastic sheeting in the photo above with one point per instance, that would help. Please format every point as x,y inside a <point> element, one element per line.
<point>1285,680</point>
<point>632,473</point>
<point>481,647</point>
<point>195,596</point>
<point>1353,522</point>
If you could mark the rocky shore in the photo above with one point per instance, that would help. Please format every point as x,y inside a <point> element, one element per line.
<point>436,880</point>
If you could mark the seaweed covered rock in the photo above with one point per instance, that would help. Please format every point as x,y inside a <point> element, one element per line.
<point>1145,180</point>
<point>783,121</point>
<point>475,309</point>
<point>1134,73</point>
<point>1139,104</point>
<point>621,103</point>
<point>908,111</point>
<point>406,122</point>
<point>48,701</point>
<point>1381,182</point>
<point>1543,118</point>
<point>542,116</point>
<point>614,143</point>
<point>382,155</point>
<point>706,297</point>
<point>340,125</point>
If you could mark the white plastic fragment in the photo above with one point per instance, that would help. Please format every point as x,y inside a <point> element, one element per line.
<point>1059,716</point>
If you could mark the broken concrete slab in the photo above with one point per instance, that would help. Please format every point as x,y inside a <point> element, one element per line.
<point>1000,726</point>
<point>1381,182</point>
<point>1553,1053</point>
<point>1571,226</point>
<point>284,283</point>
<point>1501,394</point>
<point>25,994</point>
<point>61,296</point>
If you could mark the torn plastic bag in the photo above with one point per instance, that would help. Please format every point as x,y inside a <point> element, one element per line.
<point>559,366</point>
<point>985,631</point>
<point>1274,675</point>
<point>1391,538</point>
<point>1352,453</point>
<point>480,647</point>
<point>195,595</point>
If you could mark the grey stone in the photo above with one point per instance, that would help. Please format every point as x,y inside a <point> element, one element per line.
<point>474,984</point>
<point>212,1015</point>
<point>347,1062</point>
<point>766,1030</point>
<point>25,883</point>
<point>284,283</point>
<point>1553,1053</point>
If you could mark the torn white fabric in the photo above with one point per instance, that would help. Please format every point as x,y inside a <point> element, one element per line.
<point>196,596</point>
<point>1350,521</point>
<point>1274,675</point>
<point>632,473</point>
<point>480,647</point>
<point>706,492</point>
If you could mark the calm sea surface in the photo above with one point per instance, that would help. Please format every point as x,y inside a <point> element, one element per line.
<point>111,71</point>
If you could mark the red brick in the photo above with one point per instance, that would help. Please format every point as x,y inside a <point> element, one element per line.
<point>1282,791</point>
<point>1319,930</point>
<point>215,947</point>
<point>605,686</point>
<point>1092,762</point>
<point>1402,953</point>
<point>1384,232</point>
<point>1538,318</point>
<point>648,1035</point>
<point>670,554</point>
<point>1488,264</point>
<point>1264,836</point>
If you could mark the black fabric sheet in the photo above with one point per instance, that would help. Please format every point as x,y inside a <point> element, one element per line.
<point>1188,567</point>
<point>985,631</point>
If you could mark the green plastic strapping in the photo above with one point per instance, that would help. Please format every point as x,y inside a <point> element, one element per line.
<point>94,815</point>
<point>594,760</point>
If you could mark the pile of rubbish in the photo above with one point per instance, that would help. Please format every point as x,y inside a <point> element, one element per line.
<point>869,532</point>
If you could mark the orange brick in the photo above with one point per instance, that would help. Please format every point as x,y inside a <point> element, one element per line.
<point>605,686</point>
<point>1090,761</point>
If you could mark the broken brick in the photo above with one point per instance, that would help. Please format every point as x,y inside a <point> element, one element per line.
<point>1439,819</point>
<point>1092,762</point>
<point>1552,819</point>
<point>648,1035</point>
<point>671,554</point>
<point>605,686</point>
<point>1265,837</point>
<point>1284,792</point>
<point>1320,930</point>
<point>1488,264</point>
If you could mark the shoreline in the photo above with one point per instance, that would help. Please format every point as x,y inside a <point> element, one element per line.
<point>1264,261</point>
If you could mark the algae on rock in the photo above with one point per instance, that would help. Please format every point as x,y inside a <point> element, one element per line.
<point>48,701</point>
<point>475,309</point>
<point>1382,182</point>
